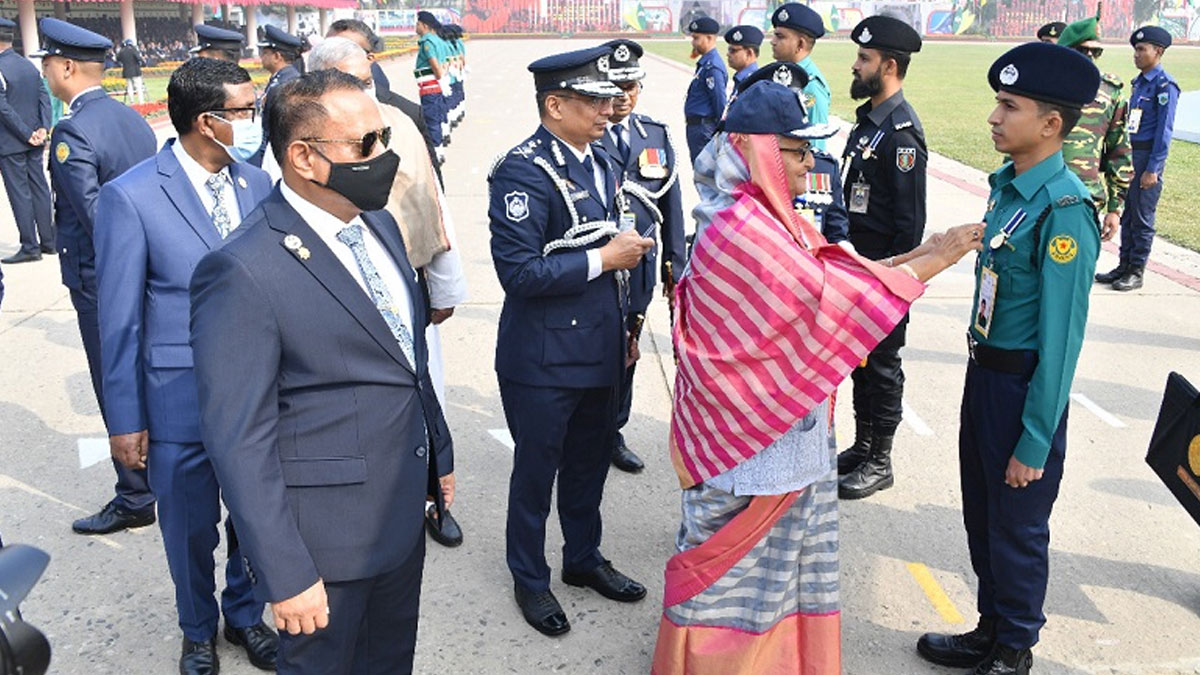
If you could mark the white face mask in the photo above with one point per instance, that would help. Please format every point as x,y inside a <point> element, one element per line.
<point>247,138</point>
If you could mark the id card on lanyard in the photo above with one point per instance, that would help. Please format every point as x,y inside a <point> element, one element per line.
<point>989,280</point>
<point>860,190</point>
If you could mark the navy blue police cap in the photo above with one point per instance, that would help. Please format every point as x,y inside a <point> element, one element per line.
<point>625,64</point>
<point>1051,30</point>
<point>582,70</point>
<point>428,19</point>
<point>767,107</point>
<point>744,36</point>
<point>886,33</point>
<point>799,17</point>
<point>1152,34</point>
<point>1046,72</point>
<point>705,25</point>
<point>280,40</point>
<point>211,37</point>
<point>67,40</point>
<point>786,73</point>
<point>7,24</point>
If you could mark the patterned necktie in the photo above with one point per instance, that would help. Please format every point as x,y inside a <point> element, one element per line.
<point>352,236</point>
<point>220,214</point>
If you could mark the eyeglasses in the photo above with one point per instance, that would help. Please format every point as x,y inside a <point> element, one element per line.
<point>593,102</point>
<point>802,151</point>
<point>366,143</point>
<point>1094,52</point>
<point>228,114</point>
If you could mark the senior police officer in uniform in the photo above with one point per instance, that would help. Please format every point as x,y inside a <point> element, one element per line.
<point>1026,329</point>
<point>884,191</point>
<point>1152,102</point>
<point>649,202</point>
<point>218,43</point>
<point>796,31</point>
<point>25,115</point>
<point>1051,31</point>
<point>744,43</point>
<point>562,348</point>
<point>280,52</point>
<point>705,102</point>
<point>94,144</point>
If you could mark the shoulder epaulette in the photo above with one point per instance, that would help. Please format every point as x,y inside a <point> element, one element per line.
<point>1113,80</point>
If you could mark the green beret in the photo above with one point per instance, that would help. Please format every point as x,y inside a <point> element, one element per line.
<point>1080,31</point>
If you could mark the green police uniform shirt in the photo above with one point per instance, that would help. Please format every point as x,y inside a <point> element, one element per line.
<point>429,46</point>
<point>816,96</point>
<point>1043,278</point>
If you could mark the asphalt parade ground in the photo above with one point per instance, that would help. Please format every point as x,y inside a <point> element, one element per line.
<point>1124,592</point>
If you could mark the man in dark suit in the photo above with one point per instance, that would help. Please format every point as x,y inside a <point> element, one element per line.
<point>561,349</point>
<point>280,52</point>
<point>153,224</point>
<point>98,141</point>
<point>316,406</point>
<point>24,127</point>
<point>131,70</point>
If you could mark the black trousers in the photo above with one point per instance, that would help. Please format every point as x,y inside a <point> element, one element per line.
<point>29,196</point>
<point>879,385</point>
<point>372,626</point>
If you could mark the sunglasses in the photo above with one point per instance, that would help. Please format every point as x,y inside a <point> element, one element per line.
<point>227,114</point>
<point>1094,52</point>
<point>366,144</point>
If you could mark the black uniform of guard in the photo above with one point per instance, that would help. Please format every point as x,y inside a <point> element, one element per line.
<point>884,192</point>
<point>290,47</point>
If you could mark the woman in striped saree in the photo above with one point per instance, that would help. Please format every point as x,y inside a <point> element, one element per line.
<point>771,319</point>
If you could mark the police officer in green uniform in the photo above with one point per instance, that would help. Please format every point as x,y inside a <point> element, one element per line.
<point>1026,329</point>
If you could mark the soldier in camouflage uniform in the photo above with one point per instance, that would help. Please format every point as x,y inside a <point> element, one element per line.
<point>1098,149</point>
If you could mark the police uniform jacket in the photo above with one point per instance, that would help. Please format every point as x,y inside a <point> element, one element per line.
<point>282,76</point>
<point>894,170</point>
<point>827,206</point>
<point>650,170</point>
<point>98,141</point>
<point>24,103</point>
<point>1152,102</point>
<point>557,329</point>
<point>706,93</point>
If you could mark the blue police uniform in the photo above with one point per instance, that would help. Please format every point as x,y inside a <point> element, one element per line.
<point>705,102</point>
<point>97,141</point>
<point>823,198</point>
<point>1152,102</point>
<point>24,108</point>
<point>214,39</point>
<point>276,39</point>
<point>743,36</point>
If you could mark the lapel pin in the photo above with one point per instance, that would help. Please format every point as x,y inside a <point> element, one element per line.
<point>293,244</point>
<point>303,253</point>
<point>242,182</point>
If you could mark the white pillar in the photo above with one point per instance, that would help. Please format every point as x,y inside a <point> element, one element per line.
<point>128,25</point>
<point>251,15</point>
<point>291,28</point>
<point>27,21</point>
<point>323,19</point>
<point>197,14</point>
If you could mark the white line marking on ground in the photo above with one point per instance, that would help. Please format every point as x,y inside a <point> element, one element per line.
<point>93,451</point>
<point>10,482</point>
<point>504,437</point>
<point>914,420</point>
<point>1105,416</point>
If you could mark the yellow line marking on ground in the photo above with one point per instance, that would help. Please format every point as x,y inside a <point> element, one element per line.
<point>937,597</point>
<point>10,482</point>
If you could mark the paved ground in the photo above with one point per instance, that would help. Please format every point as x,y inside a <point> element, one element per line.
<point>1124,595</point>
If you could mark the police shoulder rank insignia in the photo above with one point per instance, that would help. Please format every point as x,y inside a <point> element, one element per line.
<point>1163,98</point>
<point>516,206</point>
<point>62,151</point>
<point>906,159</point>
<point>651,164</point>
<point>1068,200</point>
<point>1063,248</point>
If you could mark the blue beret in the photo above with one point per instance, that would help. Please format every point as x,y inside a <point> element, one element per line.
<point>211,37</point>
<point>624,65</point>
<point>705,25</point>
<point>274,38</point>
<point>1046,72</point>
<point>581,70</point>
<point>887,33</point>
<point>1152,34</point>
<point>771,108</point>
<point>70,41</point>
<point>799,17</point>
<point>744,36</point>
<point>428,19</point>
<point>7,24</point>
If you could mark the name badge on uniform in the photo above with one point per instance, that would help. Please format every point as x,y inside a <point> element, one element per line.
<point>628,221</point>
<point>1135,120</point>
<point>988,282</point>
<point>860,197</point>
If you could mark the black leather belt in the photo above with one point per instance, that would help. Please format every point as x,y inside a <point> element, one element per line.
<point>692,119</point>
<point>1142,145</point>
<point>1011,361</point>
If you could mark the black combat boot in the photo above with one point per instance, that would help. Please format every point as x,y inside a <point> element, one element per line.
<point>1131,280</point>
<point>1112,275</point>
<point>850,458</point>
<point>1006,661</point>
<point>872,475</point>
<point>965,650</point>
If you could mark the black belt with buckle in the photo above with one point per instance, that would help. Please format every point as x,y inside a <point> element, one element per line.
<point>1011,361</point>
<point>693,119</point>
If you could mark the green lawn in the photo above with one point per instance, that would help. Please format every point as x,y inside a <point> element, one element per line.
<point>947,84</point>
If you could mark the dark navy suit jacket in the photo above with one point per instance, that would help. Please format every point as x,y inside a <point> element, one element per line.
<point>557,329</point>
<point>24,103</point>
<point>311,415</point>
<point>151,231</point>
<point>99,141</point>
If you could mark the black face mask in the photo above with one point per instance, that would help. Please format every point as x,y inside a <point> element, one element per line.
<point>367,184</point>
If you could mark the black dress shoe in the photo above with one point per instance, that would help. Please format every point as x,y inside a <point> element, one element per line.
<point>199,658</point>
<point>624,459</point>
<point>1111,275</point>
<point>48,250</point>
<point>965,650</point>
<point>447,532</point>
<point>1131,280</point>
<point>542,611</point>
<point>22,256</point>
<point>1005,660</point>
<point>261,643</point>
<point>113,518</point>
<point>607,582</point>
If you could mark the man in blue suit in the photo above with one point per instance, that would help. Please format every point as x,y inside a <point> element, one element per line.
<point>316,405</point>
<point>562,345</point>
<point>280,53</point>
<point>648,197</point>
<point>98,141</point>
<point>153,224</point>
<point>24,127</point>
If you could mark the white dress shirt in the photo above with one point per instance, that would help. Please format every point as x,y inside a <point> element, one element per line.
<point>327,226</point>
<point>198,176</point>
<point>595,263</point>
